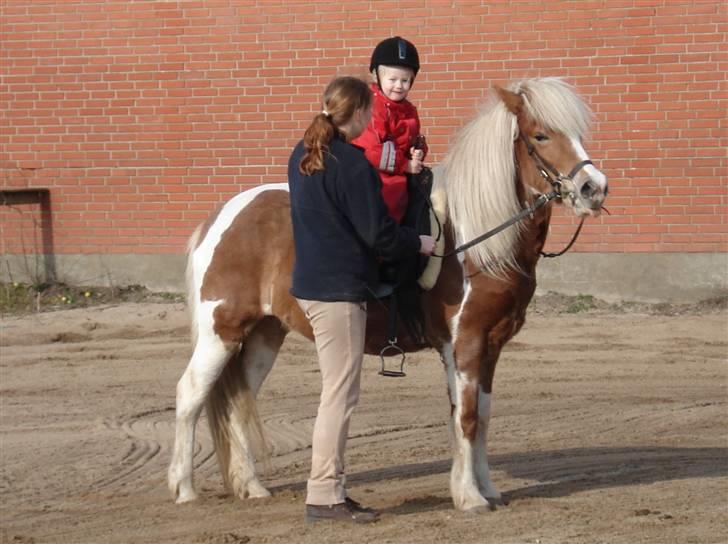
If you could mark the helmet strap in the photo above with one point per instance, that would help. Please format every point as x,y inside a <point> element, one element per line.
<point>376,77</point>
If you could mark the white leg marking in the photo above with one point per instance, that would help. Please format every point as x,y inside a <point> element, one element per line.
<point>244,480</point>
<point>463,482</point>
<point>482,470</point>
<point>455,321</point>
<point>207,362</point>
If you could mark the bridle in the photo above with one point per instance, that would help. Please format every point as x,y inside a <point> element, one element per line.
<point>563,187</point>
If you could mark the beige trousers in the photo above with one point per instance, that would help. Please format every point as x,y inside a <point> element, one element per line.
<point>339,329</point>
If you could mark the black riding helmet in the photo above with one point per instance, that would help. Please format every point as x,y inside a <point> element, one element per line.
<point>395,51</point>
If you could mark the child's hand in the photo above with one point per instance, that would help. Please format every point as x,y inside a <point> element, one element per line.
<point>414,166</point>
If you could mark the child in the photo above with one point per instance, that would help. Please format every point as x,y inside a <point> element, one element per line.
<point>392,140</point>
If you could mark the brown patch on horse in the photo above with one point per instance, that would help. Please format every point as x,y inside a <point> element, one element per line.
<point>494,312</point>
<point>253,278</point>
<point>496,308</point>
<point>469,410</point>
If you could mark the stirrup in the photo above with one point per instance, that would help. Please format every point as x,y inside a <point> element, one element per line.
<point>392,373</point>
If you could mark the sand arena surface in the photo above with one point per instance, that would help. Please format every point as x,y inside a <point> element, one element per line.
<point>608,426</point>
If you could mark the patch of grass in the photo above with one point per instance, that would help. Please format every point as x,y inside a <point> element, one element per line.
<point>21,298</point>
<point>581,303</point>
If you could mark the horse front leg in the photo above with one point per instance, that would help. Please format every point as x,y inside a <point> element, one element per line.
<point>482,468</point>
<point>468,452</point>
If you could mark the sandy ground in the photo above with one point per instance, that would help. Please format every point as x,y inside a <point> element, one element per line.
<point>607,427</point>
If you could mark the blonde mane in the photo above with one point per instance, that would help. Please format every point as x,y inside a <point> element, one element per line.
<point>480,172</point>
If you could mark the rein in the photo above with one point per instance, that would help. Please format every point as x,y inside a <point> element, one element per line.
<point>551,174</point>
<point>540,202</point>
<point>563,186</point>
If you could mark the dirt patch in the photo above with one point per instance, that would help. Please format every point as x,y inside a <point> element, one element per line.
<point>608,426</point>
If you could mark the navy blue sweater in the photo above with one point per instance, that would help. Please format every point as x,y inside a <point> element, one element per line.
<point>341,228</point>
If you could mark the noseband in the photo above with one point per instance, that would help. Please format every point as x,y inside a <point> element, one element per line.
<point>563,185</point>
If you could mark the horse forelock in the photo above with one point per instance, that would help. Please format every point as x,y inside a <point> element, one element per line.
<point>555,105</point>
<point>480,168</point>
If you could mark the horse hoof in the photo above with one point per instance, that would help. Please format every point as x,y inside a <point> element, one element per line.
<point>252,490</point>
<point>258,492</point>
<point>499,501</point>
<point>481,509</point>
<point>186,497</point>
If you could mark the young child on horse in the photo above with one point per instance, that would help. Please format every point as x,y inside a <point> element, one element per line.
<point>340,229</point>
<point>392,141</point>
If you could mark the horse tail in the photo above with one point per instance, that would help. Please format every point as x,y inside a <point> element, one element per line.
<point>236,428</point>
<point>192,288</point>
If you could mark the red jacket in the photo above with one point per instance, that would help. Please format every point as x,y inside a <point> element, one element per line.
<point>386,142</point>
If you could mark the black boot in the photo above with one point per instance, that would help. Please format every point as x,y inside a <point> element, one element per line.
<point>349,510</point>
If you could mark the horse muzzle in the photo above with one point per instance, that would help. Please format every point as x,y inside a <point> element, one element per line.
<point>586,193</point>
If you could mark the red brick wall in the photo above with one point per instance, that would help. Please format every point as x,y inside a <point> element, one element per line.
<point>141,117</point>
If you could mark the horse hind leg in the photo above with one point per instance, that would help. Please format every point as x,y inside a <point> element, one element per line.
<point>207,362</point>
<point>232,413</point>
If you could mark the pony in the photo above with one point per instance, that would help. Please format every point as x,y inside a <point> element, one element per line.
<point>239,268</point>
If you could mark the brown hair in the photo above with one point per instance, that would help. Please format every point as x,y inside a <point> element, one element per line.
<point>342,98</point>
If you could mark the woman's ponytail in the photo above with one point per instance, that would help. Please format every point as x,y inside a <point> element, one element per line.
<point>316,141</point>
<point>342,98</point>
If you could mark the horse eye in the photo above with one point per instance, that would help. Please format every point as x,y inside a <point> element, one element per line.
<point>541,137</point>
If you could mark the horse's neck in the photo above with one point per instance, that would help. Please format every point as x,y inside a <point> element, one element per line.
<point>533,240</point>
<point>536,227</point>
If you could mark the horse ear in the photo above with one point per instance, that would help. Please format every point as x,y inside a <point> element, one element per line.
<point>513,101</point>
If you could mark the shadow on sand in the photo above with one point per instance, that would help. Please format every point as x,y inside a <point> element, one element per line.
<point>559,473</point>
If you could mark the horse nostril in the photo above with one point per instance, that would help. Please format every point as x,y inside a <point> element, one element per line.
<point>588,189</point>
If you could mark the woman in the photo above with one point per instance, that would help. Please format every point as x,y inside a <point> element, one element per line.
<point>341,232</point>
